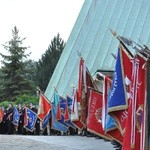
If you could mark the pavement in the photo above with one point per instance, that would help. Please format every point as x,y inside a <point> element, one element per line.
<point>19,142</point>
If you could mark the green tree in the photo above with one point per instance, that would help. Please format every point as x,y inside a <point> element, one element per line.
<point>15,71</point>
<point>48,61</point>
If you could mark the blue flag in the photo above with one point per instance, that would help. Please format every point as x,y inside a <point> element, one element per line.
<point>110,123</point>
<point>62,103</point>
<point>69,102</point>
<point>30,118</point>
<point>55,124</point>
<point>46,120</point>
<point>16,116</point>
<point>117,99</point>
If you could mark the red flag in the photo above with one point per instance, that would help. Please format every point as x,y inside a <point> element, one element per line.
<point>85,82</point>
<point>82,90</point>
<point>25,117</point>
<point>95,114</point>
<point>112,132</point>
<point>134,137</point>
<point>76,111</point>
<point>106,87</point>
<point>115,134</point>
<point>80,77</point>
<point>66,116</point>
<point>44,107</point>
<point>1,114</point>
<point>58,112</point>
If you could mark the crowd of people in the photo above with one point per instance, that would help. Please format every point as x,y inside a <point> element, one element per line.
<point>8,127</point>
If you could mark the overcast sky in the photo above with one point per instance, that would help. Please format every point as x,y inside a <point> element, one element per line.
<point>38,20</point>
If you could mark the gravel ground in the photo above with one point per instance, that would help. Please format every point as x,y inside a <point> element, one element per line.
<point>17,142</point>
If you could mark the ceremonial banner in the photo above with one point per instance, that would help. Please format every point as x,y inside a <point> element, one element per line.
<point>46,120</point>
<point>30,119</point>
<point>56,112</point>
<point>60,114</point>
<point>68,110</point>
<point>111,129</point>
<point>95,114</point>
<point>1,114</point>
<point>115,135</point>
<point>66,115</point>
<point>56,99</point>
<point>118,103</point>
<point>117,97</point>
<point>57,125</point>
<point>44,107</point>
<point>16,116</point>
<point>134,137</point>
<point>85,82</point>
<point>106,87</point>
<point>82,90</point>
<point>76,111</point>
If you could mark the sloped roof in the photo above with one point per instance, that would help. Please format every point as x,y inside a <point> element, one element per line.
<point>92,38</point>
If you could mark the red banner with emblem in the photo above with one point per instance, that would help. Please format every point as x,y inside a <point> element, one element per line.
<point>95,114</point>
<point>134,137</point>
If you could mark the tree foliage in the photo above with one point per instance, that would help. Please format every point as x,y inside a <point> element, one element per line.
<point>48,61</point>
<point>15,73</point>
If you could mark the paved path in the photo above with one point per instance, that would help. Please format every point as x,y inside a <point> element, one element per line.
<point>16,142</point>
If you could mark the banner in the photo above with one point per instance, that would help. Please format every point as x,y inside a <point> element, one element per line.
<point>30,118</point>
<point>1,114</point>
<point>118,103</point>
<point>68,110</point>
<point>16,116</point>
<point>44,107</point>
<point>85,82</point>
<point>134,137</point>
<point>76,111</point>
<point>111,128</point>
<point>117,97</point>
<point>95,114</point>
<point>46,120</point>
<point>60,114</point>
<point>57,125</point>
<point>75,108</point>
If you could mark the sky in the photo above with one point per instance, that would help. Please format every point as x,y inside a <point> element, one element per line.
<point>39,21</point>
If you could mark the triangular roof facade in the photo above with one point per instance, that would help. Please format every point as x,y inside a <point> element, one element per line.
<point>91,37</point>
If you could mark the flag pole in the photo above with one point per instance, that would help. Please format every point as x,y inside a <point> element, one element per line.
<point>121,42</point>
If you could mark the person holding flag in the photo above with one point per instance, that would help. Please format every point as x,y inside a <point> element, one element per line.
<point>9,119</point>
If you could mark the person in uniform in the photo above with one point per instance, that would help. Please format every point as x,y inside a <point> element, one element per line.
<point>37,124</point>
<point>9,119</point>
<point>21,119</point>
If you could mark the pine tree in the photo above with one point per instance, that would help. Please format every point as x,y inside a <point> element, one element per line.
<point>14,70</point>
<point>48,61</point>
